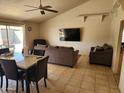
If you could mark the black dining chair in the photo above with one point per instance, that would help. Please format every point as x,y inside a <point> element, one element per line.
<point>12,72</point>
<point>38,52</point>
<point>2,51</point>
<point>39,71</point>
<point>1,75</point>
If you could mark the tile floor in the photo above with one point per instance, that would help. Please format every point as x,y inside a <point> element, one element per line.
<point>83,78</point>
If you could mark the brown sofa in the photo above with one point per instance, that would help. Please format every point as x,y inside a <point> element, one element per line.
<point>62,55</point>
<point>101,55</point>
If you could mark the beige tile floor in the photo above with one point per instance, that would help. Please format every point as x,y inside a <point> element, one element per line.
<point>83,78</point>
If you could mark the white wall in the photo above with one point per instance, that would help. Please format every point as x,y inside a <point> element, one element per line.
<point>33,34</point>
<point>94,32</point>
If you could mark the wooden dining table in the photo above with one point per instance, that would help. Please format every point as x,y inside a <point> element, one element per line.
<point>25,63</point>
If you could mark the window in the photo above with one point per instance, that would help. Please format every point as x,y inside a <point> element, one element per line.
<point>11,37</point>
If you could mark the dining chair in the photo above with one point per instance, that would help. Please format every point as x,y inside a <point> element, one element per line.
<point>12,72</point>
<point>2,51</point>
<point>1,75</point>
<point>39,71</point>
<point>38,52</point>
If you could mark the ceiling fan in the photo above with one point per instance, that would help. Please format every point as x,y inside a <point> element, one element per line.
<point>41,8</point>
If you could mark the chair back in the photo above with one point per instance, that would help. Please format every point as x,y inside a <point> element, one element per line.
<point>4,50</point>
<point>1,71</point>
<point>39,52</point>
<point>41,68</point>
<point>39,41</point>
<point>10,69</point>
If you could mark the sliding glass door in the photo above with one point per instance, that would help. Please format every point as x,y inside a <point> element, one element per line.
<point>11,37</point>
<point>3,36</point>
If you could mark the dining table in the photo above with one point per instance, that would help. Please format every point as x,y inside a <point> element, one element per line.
<point>25,63</point>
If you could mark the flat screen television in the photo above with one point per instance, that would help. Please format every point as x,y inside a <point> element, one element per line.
<point>69,34</point>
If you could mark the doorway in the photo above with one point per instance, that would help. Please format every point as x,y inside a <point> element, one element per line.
<point>121,51</point>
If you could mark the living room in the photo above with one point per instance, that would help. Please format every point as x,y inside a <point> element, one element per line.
<point>96,29</point>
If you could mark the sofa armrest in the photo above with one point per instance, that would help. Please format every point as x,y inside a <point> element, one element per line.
<point>101,57</point>
<point>92,49</point>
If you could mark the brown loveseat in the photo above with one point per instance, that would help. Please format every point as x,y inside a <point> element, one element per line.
<point>101,55</point>
<point>62,55</point>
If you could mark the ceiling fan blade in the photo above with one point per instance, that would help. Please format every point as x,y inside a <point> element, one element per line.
<point>50,10</point>
<point>31,6</point>
<point>31,10</point>
<point>47,6</point>
<point>42,8</point>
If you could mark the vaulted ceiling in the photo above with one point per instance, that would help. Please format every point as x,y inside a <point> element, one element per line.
<point>15,9</point>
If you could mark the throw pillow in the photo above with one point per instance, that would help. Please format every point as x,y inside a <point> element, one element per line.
<point>99,48</point>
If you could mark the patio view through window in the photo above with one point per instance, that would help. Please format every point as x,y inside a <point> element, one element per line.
<point>11,37</point>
